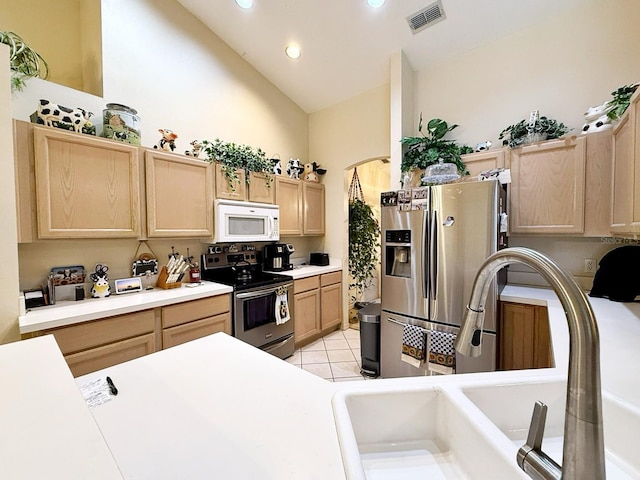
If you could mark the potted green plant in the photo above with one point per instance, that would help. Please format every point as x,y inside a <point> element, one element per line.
<point>430,147</point>
<point>538,128</point>
<point>24,62</point>
<point>620,101</point>
<point>364,242</point>
<point>234,158</point>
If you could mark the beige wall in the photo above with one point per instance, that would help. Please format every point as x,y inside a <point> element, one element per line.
<point>560,67</point>
<point>57,31</point>
<point>341,137</point>
<point>162,61</point>
<point>8,247</point>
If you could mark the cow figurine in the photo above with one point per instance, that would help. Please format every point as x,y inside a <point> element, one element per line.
<point>50,112</point>
<point>121,136</point>
<point>596,118</point>
<point>168,140</point>
<point>294,169</point>
<point>101,288</point>
<point>277,166</point>
<point>311,172</point>
<point>196,148</point>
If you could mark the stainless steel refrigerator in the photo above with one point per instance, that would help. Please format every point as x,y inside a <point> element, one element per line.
<point>429,259</point>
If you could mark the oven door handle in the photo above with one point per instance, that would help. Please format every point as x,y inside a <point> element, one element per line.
<point>259,293</point>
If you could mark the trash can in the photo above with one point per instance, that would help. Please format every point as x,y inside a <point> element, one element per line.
<point>369,317</point>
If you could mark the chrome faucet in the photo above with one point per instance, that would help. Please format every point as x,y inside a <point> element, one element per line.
<point>583,449</point>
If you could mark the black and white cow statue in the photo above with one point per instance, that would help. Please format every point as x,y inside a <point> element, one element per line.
<point>277,166</point>
<point>168,140</point>
<point>294,169</point>
<point>196,148</point>
<point>51,112</point>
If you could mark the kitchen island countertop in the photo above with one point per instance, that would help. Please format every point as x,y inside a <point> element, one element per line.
<point>216,406</point>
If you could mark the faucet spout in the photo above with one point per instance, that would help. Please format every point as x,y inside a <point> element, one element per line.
<point>583,449</point>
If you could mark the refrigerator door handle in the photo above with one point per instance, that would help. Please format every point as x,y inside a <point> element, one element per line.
<point>433,254</point>
<point>425,255</point>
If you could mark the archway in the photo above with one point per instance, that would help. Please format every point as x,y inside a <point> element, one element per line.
<point>375,177</point>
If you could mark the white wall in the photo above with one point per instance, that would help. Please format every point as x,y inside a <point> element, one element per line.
<point>165,63</point>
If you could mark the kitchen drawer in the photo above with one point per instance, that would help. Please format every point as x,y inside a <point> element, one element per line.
<point>330,278</point>
<point>83,336</point>
<point>200,328</point>
<point>304,284</point>
<point>195,310</point>
<point>102,357</point>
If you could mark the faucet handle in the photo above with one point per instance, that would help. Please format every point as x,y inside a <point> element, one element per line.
<point>531,459</point>
<point>536,429</point>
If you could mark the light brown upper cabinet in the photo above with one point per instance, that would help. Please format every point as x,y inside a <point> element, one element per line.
<point>260,189</point>
<point>179,194</point>
<point>313,201</point>
<point>86,187</point>
<point>561,186</point>
<point>482,161</point>
<point>236,190</point>
<point>301,206</point>
<point>625,198</point>
<point>289,199</point>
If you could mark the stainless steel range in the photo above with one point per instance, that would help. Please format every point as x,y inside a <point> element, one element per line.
<point>261,300</point>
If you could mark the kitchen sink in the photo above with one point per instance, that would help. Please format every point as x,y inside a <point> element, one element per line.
<point>390,433</point>
<point>509,407</point>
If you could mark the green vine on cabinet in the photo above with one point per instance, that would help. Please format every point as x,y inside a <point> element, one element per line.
<point>233,157</point>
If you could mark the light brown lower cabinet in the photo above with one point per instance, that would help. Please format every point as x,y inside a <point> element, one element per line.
<point>317,306</point>
<point>524,337</point>
<point>98,344</point>
<point>183,322</point>
<point>91,346</point>
<point>199,328</point>
<point>94,359</point>
<point>330,300</point>
<point>306,309</point>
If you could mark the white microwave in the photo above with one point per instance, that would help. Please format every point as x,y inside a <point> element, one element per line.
<point>246,222</point>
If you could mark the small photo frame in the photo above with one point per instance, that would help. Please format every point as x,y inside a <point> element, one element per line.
<point>128,285</point>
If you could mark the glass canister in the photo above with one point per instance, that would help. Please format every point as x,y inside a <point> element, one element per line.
<point>121,123</point>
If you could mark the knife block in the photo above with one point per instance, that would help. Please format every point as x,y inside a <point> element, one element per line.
<point>162,280</point>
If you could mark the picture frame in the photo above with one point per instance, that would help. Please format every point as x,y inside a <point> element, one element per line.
<point>128,285</point>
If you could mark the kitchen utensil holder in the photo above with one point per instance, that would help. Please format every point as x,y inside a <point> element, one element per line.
<point>162,280</point>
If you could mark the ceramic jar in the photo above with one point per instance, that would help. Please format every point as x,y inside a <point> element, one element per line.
<point>121,123</point>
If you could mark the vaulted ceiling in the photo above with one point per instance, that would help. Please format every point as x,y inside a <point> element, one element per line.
<point>346,44</point>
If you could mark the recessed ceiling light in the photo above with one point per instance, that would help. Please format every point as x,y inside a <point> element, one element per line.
<point>292,51</point>
<point>375,3</point>
<point>244,3</point>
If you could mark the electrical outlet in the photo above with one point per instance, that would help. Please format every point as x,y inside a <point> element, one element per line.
<point>589,265</point>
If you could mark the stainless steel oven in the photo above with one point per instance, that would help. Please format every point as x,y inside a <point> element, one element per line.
<point>254,319</point>
<point>261,301</point>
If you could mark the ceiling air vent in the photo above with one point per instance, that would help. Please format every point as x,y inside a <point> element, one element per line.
<point>426,17</point>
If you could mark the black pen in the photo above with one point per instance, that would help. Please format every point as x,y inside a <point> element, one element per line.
<point>112,388</point>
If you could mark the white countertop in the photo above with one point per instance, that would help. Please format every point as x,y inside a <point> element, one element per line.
<point>47,429</point>
<point>218,407</point>
<point>70,312</point>
<point>303,271</point>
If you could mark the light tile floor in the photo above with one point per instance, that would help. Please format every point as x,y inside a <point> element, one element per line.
<point>335,357</point>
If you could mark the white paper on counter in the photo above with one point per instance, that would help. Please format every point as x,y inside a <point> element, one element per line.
<point>96,392</point>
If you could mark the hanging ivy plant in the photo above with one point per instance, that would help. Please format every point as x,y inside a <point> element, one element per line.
<point>364,242</point>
